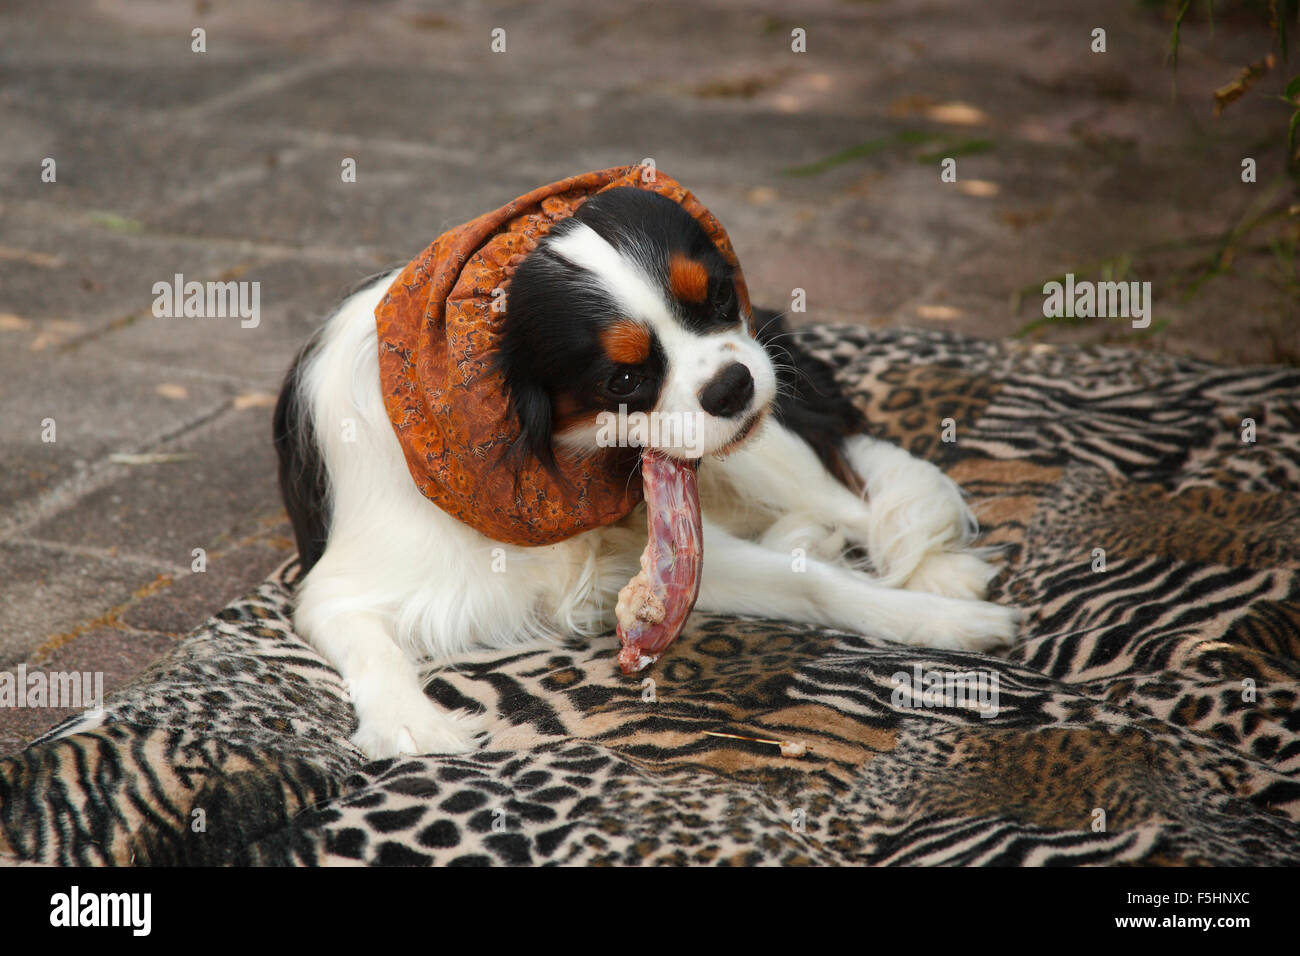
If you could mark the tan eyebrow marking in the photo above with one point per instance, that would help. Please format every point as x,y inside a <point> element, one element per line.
<point>626,342</point>
<point>688,279</point>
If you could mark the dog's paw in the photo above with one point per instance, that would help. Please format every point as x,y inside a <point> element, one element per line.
<point>954,574</point>
<point>805,531</point>
<point>969,626</point>
<point>404,724</point>
<point>912,512</point>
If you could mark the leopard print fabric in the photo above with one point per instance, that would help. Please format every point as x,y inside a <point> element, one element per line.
<point>1148,715</point>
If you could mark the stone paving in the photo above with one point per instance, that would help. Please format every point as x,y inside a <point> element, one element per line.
<point>225,165</point>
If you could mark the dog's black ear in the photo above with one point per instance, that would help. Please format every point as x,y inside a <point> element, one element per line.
<point>532,409</point>
<point>810,402</point>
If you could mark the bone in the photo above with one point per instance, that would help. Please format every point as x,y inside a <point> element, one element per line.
<point>652,608</point>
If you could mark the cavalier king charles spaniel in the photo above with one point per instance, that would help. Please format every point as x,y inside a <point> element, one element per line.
<point>624,307</point>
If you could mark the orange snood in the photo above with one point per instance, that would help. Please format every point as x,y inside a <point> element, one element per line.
<point>438,335</point>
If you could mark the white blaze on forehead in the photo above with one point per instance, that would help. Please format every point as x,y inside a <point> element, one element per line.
<point>626,279</point>
<point>623,278</point>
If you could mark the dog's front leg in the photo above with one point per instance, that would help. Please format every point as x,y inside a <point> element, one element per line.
<point>744,577</point>
<point>394,714</point>
<point>913,520</point>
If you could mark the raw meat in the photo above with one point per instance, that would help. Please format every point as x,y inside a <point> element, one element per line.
<point>652,608</point>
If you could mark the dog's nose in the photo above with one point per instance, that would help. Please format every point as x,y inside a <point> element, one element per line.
<point>728,392</point>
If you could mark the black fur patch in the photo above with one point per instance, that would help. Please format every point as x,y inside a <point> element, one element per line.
<point>651,229</point>
<point>302,470</point>
<point>809,401</point>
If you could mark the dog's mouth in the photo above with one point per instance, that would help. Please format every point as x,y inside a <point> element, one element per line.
<point>743,434</point>
<point>694,454</point>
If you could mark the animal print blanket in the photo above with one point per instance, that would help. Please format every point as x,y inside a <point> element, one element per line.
<point>1148,516</point>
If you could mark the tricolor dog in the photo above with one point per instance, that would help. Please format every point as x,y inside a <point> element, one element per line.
<point>447,462</point>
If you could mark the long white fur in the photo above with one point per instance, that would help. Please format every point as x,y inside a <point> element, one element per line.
<point>403,588</point>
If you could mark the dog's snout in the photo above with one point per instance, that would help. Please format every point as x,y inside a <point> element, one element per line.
<point>729,392</point>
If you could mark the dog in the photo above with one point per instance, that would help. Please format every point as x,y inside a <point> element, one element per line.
<point>627,305</point>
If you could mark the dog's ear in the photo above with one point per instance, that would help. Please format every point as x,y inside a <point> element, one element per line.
<point>532,409</point>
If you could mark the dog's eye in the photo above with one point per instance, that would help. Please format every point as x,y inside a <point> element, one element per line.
<point>624,382</point>
<point>725,300</point>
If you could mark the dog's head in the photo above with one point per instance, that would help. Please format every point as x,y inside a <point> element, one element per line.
<point>623,326</point>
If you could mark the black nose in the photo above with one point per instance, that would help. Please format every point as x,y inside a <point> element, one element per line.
<point>728,392</point>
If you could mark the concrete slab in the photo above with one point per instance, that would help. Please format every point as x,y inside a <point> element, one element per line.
<point>49,593</point>
<point>218,492</point>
